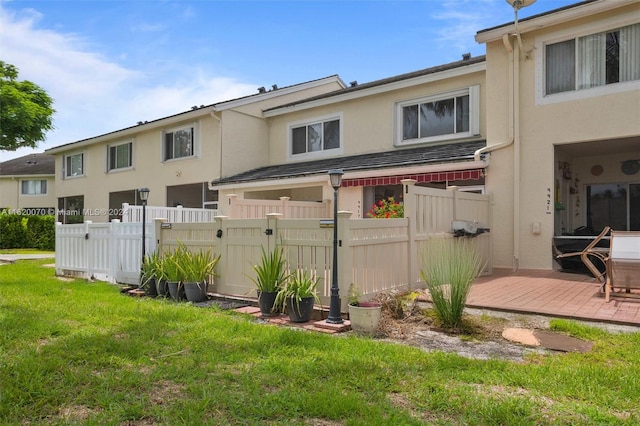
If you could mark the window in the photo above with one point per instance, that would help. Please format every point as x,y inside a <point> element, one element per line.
<point>613,204</point>
<point>594,60</point>
<point>74,165</point>
<point>34,187</point>
<point>441,117</point>
<point>71,209</point>
<point>315,137</point>
<point>179,143</point>
<point>119,156</point>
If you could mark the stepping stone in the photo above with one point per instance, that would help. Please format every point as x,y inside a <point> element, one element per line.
<point>547,339</point>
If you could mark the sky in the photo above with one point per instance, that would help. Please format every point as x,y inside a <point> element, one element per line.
<point>108,64</point>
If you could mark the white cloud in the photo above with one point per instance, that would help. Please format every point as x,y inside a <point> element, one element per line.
<point>94,94</point>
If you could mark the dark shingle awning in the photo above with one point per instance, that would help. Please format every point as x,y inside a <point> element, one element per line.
<point>396,158</point>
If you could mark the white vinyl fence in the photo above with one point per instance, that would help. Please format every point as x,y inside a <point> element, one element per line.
<point>133,214</point>
<point>109,252</point>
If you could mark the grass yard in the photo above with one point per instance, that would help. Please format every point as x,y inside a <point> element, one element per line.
<point>73,352</point>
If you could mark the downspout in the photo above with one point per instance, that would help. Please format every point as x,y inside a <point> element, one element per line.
<point>213,115</point>
<point>513,97</point>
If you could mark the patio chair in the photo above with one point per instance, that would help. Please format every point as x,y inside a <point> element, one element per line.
<point>591,253</point>
<point>623,264</point>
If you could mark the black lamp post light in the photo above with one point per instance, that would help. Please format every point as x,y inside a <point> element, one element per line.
<point>143,193</point>
<point>335,317</point>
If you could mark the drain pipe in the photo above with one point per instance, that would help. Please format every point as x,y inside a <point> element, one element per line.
<point>512,139</point>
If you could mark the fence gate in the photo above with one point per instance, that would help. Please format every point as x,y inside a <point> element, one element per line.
<point>109,252</point>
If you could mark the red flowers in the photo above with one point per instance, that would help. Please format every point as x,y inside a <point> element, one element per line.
<point>388,208</point>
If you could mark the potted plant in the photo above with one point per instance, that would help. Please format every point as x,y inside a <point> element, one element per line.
<point>172,272</point>
<point>148,275</point>
<point>364,315</point>
<point>270,276</point>
<point>196,270</point>
<point>298,295</point>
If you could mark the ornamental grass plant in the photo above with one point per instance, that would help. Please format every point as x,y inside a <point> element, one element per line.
<point>449,268</point>
<point>271,273</point>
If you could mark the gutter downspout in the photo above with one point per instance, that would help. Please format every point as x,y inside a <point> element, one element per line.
<point>213,115</point>
<point>513,137</point>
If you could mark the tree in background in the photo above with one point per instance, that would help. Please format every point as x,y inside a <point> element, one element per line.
<point>25,111</point>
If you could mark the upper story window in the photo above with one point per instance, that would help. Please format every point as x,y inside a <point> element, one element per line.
<point>179,143</point>
<point>119,156</point>
<point>74,165</point>
<point>33,187</point>
<point>440,117</point>
<point>594,60</point>
<point>318,136</point>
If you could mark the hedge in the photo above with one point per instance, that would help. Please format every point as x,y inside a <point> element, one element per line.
<point>27,231</point>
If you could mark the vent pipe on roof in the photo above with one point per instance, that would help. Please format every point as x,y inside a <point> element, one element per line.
<point>466,56</point>
<point>262,90</point>
<point>274,86</point>
<point>354,83</point>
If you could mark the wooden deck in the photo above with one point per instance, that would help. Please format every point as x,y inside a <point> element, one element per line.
<point>551,293</point>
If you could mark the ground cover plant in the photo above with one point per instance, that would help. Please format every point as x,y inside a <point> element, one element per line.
<point>75,352</point>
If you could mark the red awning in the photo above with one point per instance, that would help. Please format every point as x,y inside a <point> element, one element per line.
<point>475,174</point>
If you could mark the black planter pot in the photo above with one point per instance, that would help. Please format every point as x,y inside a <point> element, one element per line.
<point>150,288</point>
<point>195,292</point>
<point>266,300</point>
<point>300,311</point>
<point>162,289</point>
<point>176,290</point>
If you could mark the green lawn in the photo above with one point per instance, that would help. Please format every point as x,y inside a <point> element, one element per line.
<point>73,352</point>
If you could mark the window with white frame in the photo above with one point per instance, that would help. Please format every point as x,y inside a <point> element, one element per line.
<point>33,187</point>
<point>316,136</point>
<point>440,117</point>
<point>593,60</point>
<point>119,156</point>
<point>179,143</point>
<point>74,165</point>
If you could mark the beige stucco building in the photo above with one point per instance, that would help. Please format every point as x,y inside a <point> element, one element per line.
<point>173,156</point>
<point>27,184</point>
<point>563,127</point>
<point>547,123</point>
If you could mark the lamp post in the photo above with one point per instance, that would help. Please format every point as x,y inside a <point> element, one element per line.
<point>143,193</point>
<point>335,317</point>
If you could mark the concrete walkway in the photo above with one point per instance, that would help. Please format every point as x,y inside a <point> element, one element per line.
<point>11,258</point>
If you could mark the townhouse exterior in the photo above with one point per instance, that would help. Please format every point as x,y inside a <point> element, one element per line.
<point>173,156</point>
<point>563,127</point>
<point>27,184</point>
<point>547,123</point>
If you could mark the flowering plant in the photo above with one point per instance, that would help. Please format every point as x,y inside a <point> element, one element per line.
<point>388,208</point>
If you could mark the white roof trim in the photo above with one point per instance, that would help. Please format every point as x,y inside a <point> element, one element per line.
<point>131,131</point>
<point>356,174</point>
<point>383,88</point>
<point>193,114</point>
<point>278,92</point>
<point>559,17</point>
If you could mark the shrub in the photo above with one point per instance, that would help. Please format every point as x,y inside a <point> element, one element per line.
<point>451,267</point>
<point>41,232</point>
<point>27,231</point>
<point>386,209</point>
<point>13,232</point>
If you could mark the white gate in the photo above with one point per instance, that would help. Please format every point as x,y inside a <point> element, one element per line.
<point>105,251</point>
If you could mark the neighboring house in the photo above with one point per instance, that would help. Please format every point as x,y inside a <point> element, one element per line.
<point>174,156</point>
<point>26,184</point>
<point>563,127</point>
<point>425,125</point>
